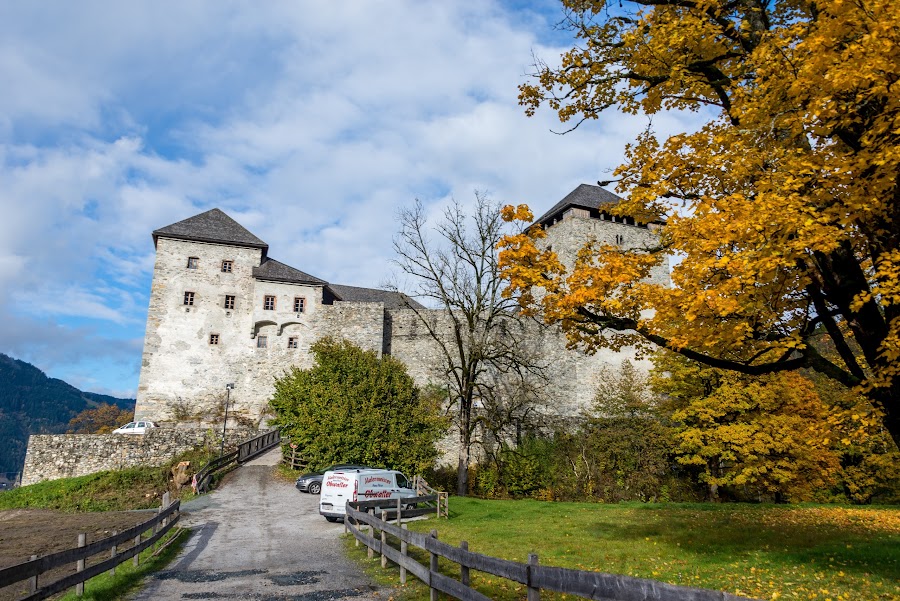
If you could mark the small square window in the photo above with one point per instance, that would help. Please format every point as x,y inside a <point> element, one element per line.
<point>226,266</point>
<point>299,304</point>
<point>214,339</point>
<point>292,342</point>
<point>193,262</point>
<point>262,342</point>
<point>229,301</point>
<point>269,303</point>
<point>189,298</point>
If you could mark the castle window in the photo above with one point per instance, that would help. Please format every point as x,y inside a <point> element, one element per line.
<point>620,239</point>
<point>262,342</point>
<point>299,304</point>
<point>269,303</point>
<point>214,339</point>
<point>292,342</point>
<point>193,262</point>
<point>188,298</point>
<point>229,301</point>
<point>226,266</point>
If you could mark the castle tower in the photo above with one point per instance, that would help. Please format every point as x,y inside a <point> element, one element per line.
<point>223,312</point>
<point>584,215</point>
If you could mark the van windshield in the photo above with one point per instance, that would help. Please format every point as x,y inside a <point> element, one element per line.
<point>402,482</point>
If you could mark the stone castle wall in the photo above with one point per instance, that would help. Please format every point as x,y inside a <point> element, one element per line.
<point>182,374</point>
<point>54,456</point>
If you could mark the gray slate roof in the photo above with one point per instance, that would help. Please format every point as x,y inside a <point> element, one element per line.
<point>391,300</point>
<point>279,272</point>
<point>212,226</point>
<point>584,196</point>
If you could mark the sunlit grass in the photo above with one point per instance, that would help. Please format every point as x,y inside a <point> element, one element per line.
<point>131,488</point>
<point>765,552</point>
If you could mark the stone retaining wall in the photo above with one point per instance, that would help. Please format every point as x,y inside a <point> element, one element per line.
<point>54,456</point>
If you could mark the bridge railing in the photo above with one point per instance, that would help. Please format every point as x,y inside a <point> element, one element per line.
<point>246,451</point>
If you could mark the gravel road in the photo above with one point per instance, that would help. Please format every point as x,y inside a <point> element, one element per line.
<point>260,538</point>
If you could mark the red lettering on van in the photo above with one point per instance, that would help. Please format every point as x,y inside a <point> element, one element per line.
<point>370,479</point>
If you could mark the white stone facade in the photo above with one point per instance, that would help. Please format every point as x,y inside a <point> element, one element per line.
<point>182,373</point>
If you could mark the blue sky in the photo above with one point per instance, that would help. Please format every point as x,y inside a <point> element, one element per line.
<point>308,122</point>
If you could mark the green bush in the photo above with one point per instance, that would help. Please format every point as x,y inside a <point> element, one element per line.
<point>355,407</point>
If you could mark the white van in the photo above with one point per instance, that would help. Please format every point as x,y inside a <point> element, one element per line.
<point>341,486</point>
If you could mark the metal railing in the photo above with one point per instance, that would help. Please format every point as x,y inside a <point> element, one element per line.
<point>246,451</point>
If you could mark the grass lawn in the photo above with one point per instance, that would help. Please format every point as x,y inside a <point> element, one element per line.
<point>765,552</point>
<point>130,488</point>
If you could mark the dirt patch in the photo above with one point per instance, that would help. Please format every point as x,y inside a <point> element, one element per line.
<point>27,532</point>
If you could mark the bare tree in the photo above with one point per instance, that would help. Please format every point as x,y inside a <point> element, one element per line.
<point>477,330</point>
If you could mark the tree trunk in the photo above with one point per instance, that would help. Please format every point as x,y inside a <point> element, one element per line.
<point>462,470</point>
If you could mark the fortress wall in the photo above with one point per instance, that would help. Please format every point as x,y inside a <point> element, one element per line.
<point>570,234</point>
<point>55,456</point>
<point>361,323</point>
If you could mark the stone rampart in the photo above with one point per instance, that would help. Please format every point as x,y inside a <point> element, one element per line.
<point>55,456</point>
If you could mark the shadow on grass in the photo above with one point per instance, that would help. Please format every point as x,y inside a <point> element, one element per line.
<point>733,534</point>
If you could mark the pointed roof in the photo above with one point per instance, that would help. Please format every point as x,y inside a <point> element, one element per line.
<point>279,272</point>
<point>391,299</point>
<point>212,226</point>
<point>584,196</point>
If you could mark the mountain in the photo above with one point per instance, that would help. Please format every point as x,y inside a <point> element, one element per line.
<point>32,403</point>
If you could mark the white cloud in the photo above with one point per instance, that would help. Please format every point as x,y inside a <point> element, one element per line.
<point>310,123</point>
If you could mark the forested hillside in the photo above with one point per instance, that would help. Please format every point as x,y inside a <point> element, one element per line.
<point>32,403</point>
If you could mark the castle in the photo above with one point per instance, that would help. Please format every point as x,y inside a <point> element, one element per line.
<point>222,312</point>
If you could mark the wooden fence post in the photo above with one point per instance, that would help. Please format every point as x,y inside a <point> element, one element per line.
<point>383,543</point>
<point>534,594</point>
<point>79,566</point>
<point>113,552</point>
<point>433,567</point>
<point>32,582</point>
<point>464,570</point>
<point>399,511</point>
<point>370,553</point>
<point>404,551</point>
<point>136,559</point>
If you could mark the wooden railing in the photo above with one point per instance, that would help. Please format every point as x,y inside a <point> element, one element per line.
<point>246,451</point>
<point>31,570</point>
<point>422,488</point>
<point>258,445</point>
<point>590,585</point>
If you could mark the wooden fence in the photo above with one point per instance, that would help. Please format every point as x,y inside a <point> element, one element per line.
<point>422,488</point>
<point>246,451</point>
<point>590,585</point>
<point>31,570</point>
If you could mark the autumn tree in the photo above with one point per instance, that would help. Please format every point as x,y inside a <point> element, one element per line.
<point>783,208</point>
<point>355,407</point>
<point>476,328</point>
<point>102,419</point>
<point>770,434</point>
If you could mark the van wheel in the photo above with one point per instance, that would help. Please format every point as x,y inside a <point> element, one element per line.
<point>315,488</point>
<point>331,519</point>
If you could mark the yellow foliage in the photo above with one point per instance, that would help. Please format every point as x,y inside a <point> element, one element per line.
<point>783,209</point>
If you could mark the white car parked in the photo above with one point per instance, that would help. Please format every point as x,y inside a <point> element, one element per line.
<point>135,428</point>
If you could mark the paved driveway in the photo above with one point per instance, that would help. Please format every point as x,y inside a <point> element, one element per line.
<point>260,538</point>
